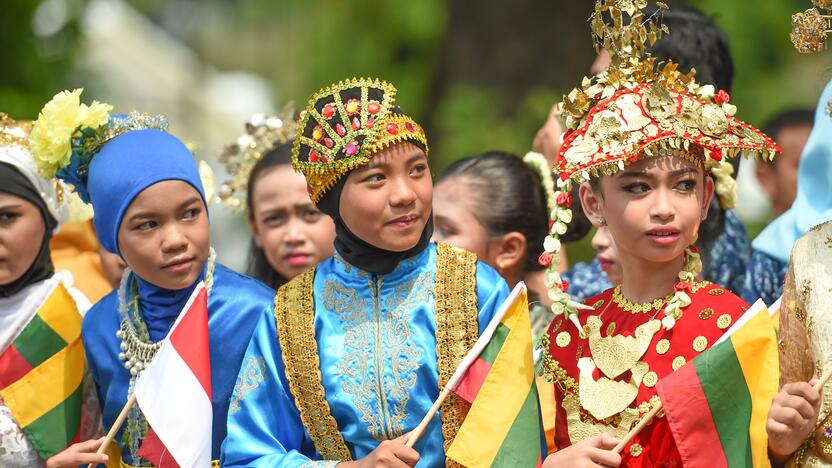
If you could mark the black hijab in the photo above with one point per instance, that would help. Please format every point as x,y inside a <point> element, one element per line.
<point>358,252</point>
<point>15,183</point>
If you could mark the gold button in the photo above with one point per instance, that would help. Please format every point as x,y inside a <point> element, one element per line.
<point>700,343</point>
<point>662,346</point>
<point>635,450</point>
<point>724,321</point>
<point>678,362</point>
<point>705,314</point>
<point>716,292</point>
<point>650,379</point>
<point>563,339</point>
<point>598,304</point>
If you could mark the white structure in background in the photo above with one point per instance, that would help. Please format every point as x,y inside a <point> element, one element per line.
<point>135,64</point>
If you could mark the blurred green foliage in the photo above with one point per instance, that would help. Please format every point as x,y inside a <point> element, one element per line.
<point>301,45</point>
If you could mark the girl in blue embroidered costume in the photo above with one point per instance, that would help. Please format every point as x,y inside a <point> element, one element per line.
<point>150,208</point>
<point>358,348</point>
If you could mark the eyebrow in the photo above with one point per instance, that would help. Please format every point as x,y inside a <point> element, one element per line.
<point>377,164</point>
<point>150,214</point>
<point>641,174</point>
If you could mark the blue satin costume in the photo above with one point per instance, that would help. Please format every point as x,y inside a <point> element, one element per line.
<point>235,303</point>
<point>377,349</point>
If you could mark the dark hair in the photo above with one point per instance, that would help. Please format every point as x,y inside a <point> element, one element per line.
<point>695,41</point>
<point>509,198</point>
<point>258,266</point>
<point>786,119</point>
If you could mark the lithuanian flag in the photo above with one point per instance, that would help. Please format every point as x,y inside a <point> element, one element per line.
<point>503,426</point>
<point>717,404</point>
<point>41,373</point>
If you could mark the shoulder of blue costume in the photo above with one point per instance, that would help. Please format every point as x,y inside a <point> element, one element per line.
<point>492,291</point>
<point>228,279</point>
<point>101,318</point>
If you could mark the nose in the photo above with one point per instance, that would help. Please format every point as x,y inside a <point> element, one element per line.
<point>174,240</point>
<point>294,232</point>
<point>662,207</point>
<point>601,239</point>
<point>401,192</point>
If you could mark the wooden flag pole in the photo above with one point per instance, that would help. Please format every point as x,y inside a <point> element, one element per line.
<point>649,416</point>
<point>420,429</point>
<point>116,425</point>
<point>641,425</point>
<point>823,380</point>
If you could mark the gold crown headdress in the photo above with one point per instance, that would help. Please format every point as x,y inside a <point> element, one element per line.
<point>640,108</point>
<point>262,134</point>
<point>343,126</point>
<point>811,28</point>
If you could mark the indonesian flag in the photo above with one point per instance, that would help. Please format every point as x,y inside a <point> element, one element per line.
<point>174,391</point>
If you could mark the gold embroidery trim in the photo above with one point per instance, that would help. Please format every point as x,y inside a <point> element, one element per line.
<point>457,327</point>
<point>630,306</point>
<point>294,313</point>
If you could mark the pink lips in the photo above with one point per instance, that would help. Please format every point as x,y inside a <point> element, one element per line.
<point>297,259</point>
<point>179,266</point>
<point>663,236</point>
<point>403,222</point>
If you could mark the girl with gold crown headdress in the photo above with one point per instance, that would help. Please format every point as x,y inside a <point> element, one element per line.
<point>359,347</point>
<point>640,139</point>
<point>40,316</point>
<point>289,234</point>
<point>150,208</point>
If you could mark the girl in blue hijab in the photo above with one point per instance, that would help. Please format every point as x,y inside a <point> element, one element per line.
<point>150,209</point>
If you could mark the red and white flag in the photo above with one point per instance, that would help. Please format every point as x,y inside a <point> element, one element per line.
<point>174,391</point>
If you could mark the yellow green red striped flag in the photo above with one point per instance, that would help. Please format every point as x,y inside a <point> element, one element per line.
<point>717,404</point>
<point>41,374</point>
<point>503,427</point>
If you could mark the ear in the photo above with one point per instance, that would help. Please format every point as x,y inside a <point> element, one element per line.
<point>708,195</point>
<point>255,232</point>
<point>510,253</point>
<point>592,204</point>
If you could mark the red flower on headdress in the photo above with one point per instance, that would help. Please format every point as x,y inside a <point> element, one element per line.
<point>722,97</point>
<point>564,199</point>
<point>716,154</point>
<point>545,259</point>
<point>694,249</point>
<point>564,285</point>
<point>551,223</point>
<point>682,286</point>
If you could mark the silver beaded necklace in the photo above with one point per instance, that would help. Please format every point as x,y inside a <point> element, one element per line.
<point>137,350</point>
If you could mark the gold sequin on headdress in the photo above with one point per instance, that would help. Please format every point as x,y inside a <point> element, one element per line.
<point>811,28</point>
<point>263,134</point>
<point>344,125</point>
<point>640,108</point>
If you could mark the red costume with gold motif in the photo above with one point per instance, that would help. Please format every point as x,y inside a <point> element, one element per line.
<point>605,375</point>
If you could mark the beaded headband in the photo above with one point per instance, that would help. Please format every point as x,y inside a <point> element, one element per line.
<point>811,28</point>
<point>263,133</point>
<point>343,126</point>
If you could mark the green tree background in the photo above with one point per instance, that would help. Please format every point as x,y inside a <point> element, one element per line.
<point>479,74</point>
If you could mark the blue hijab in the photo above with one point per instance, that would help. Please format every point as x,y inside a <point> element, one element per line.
<point>813,204</point>
<point>119,172</point>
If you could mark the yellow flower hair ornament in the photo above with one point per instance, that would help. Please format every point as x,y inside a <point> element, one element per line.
<point>68,133</point>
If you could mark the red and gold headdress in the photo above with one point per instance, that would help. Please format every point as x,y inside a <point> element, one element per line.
<point>640,108</point>
<point>344,125</point>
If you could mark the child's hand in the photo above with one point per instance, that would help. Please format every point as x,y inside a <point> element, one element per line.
<point>82,453</point>
<point>389,454</point>
<point>792,417</point>
<point>593,452</point>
